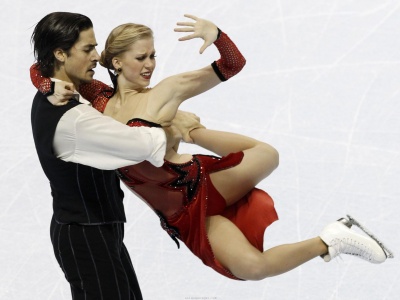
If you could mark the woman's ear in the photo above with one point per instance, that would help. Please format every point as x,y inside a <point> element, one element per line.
<point>59,54</point>
<point>116,62</point>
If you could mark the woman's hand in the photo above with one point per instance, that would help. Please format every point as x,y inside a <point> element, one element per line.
<point>201,28</point>
<point>63,92</point>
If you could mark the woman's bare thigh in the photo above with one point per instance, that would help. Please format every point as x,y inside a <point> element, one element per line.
<point>235,182</point>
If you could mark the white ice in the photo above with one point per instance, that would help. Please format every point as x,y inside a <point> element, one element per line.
<point>321,84</point>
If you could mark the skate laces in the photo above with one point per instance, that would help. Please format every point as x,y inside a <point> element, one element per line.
<point>351,247</point>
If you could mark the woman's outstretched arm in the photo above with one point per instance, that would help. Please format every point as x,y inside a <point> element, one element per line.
<point>173,90</point>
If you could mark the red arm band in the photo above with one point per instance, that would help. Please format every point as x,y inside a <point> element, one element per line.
<point>96,92</point>
<point>43,84</point>
<point>231,61</point>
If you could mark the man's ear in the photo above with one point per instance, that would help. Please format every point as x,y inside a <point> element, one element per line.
<point>59,54</point>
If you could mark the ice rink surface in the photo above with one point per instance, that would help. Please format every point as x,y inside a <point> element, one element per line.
<point>321,84</point>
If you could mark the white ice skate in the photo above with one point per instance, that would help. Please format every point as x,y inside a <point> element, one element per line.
<point>342,240</point>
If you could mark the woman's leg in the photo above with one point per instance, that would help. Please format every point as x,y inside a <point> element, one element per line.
<point>259,160</point>
<point>234,252</point>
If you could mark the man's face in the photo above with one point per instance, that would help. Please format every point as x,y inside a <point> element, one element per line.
<point>82,58</point>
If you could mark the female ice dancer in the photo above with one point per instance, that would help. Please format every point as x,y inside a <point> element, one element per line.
<point>208,202</point>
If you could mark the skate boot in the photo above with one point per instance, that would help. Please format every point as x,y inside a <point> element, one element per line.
<point>340,239</point>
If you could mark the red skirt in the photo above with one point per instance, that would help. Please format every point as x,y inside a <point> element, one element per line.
<point>183,196</point>
<point>252,214</point>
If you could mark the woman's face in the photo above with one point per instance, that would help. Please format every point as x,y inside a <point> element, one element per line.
<point>138,63</point>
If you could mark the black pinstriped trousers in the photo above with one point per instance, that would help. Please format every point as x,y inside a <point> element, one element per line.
<point>95,261</point>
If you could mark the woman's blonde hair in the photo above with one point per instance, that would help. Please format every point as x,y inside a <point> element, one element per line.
<point>120,39</point>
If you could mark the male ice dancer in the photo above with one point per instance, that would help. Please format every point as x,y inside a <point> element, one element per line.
<point>79,149</point>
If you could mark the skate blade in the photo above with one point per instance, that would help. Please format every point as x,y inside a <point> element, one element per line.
<point>389,254</point>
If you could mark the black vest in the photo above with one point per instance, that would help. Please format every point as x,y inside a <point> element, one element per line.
<point>81,194</point>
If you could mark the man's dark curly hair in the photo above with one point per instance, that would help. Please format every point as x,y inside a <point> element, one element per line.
<point>56,30</point>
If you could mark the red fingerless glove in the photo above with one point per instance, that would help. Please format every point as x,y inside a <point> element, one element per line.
<point>231,61</point>
<point>43,84</point>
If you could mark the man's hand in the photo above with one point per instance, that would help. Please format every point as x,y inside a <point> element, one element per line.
<point>174,137</point>
<point>63,92</point>
<point>185,122</point>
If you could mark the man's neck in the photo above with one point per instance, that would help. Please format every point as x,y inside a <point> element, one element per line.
<point>60,75</point>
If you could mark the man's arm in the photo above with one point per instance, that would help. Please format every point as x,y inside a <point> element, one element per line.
<point>85,136</point>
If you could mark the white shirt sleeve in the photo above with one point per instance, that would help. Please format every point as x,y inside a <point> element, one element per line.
<point>85,136</point>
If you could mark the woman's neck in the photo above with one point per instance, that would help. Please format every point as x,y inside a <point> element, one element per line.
<point>125,86</point>
<point>124,95</point>
<point>126,103</point>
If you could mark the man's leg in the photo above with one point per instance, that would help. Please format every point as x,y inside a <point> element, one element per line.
<point>135,292</point>
<point>90,258</point>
